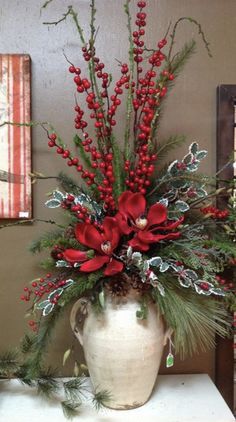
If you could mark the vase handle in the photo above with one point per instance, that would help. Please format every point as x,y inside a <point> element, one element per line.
<point>167,335</point>
<point>78,314</point>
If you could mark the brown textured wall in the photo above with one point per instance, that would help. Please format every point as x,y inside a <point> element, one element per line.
<point>190,109</point>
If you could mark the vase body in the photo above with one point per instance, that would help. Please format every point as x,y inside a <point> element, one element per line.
<point>123,353</point>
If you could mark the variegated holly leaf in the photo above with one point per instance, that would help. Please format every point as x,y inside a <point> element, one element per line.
<point>193,167</point>
<point>193,148</point>
<point>48,309</point>
<point>185,281</point>
<point>217,291</point>
<point>176,268</point>
<point>164,267</point>
<point>188,159</point>
<point>201,192</point>
<point>203,287</point>
<point>172,169</point>
<point>164,201</point>
<point>42,304</point>
<point>57,292</point>
<point>58,195</point>
<point>181,206</point>
<point>201,154</point>
<point>156,261</point>
<point>68,283</point>
<point>53,203</point>
<point>190,274</point>
<point>61,263</point>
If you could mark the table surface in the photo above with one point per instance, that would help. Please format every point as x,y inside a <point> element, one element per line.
<point>176,398</point>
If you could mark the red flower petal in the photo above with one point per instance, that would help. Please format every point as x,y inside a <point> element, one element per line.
<point>73,255</point>
<point>122,224</point>
<point>132,204</point>
<point>123,200</point>
<point>157,214</point>
<point>170,225</point>
<point>148,237</point>
<point>94,263</point>
<point>138,245</point>
<point>111,231</point>
<point>89,236</point>
<point>135,206</point>
<point>113,267</point>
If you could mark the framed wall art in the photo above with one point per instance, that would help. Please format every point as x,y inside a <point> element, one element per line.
<point>15,141</point>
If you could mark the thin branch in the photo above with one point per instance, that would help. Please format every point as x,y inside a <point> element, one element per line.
<point>46,4</point>
<point>130,95</point>
<point>29,124</point>
<point>200,31</point>
<point>60,20</point>
<point>32,220</point>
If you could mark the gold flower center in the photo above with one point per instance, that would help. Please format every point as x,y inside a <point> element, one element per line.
<point>106,247</point>
<point>141,222</point>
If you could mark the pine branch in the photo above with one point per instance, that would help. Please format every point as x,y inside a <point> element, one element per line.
<point>47,240</point>
<point>47,387</point>
<point>74,389</point>
<point>195,319</point>
<point>168,145</point>
<point>9,364</point>
<point>28,343</point>
<point>78,142</point>
<point>68,184</point>
<point>100,399</point>
<point>70,409</point>
<point>174,66</point>
<point>182,57</point>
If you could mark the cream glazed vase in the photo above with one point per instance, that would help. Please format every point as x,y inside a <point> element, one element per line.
<point>123,353</point>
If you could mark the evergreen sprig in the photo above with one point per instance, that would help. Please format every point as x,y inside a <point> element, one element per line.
<point>70,408</point>
<point>195,319</point>
<point>101,399</point>
<point>9,363</point>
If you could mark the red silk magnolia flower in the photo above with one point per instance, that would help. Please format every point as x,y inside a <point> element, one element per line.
<point>103,243</point>
<point>149,226</point>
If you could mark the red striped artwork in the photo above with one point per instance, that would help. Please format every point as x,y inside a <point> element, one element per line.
<point>15,141</point>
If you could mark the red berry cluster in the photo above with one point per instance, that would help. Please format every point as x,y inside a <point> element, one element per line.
<point>42,286</point>
<point>105,188</point>
<point>225,284</point>
<point>57,252</point>
<point>215,212</point>
<point>101,161</point>
<point>137,35</point>
<point>81,212</point>
<point>123,81</point>
<point>139,178</point>
<point>33,325</point>
<point>71,161</point>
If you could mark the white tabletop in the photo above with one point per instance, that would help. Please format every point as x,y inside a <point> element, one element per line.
<point>176,398</point>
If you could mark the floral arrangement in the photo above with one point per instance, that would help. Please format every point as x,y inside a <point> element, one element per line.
<point>134,222</point>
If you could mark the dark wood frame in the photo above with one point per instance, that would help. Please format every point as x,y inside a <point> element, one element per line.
<point>226,98</point>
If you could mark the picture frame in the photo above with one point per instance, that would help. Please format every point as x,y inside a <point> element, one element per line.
<point>15,139</point>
